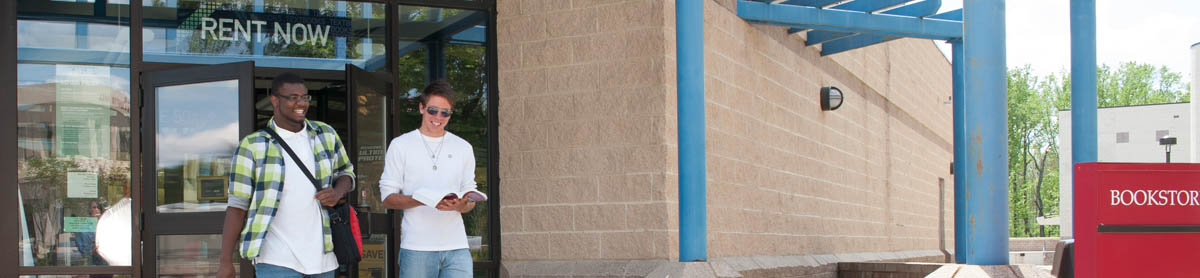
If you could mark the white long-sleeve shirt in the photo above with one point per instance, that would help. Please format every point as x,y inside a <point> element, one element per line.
<point>409,167</point>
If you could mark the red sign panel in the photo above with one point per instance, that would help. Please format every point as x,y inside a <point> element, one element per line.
<point>1137,220</point>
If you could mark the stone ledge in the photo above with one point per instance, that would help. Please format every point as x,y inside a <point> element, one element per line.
<point>990,271</point>
<point>825,265</point>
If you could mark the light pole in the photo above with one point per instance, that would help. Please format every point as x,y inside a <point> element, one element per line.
<point>1166,142</point>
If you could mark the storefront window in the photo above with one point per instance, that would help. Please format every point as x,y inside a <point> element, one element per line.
<point>286,34</point>
<point>442,43</point>
<point>197,132</point>
<point>73,150</point>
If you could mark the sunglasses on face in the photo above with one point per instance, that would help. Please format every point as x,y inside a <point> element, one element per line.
<point>433,111</point>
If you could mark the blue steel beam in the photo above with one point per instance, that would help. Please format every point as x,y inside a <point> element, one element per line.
<point>848,21</point>
<point>844,6</point>
<point>959,99</point>
<point>852,43</point>
<point>689,35</point>
<point>868,6</point>
<point>919,9</point>
<point>809,3</point>
<point>955,15</point>
<point>821,36</point>
<point>987,130</point>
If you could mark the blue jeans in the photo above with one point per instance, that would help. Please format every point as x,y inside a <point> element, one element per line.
<point>435,264</point>
<point>274,271</point>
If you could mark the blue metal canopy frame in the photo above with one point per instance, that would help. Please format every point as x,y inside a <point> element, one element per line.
<point>980,90</point>
<point>855,24</point>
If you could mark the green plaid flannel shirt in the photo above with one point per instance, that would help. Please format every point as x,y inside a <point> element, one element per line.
<point>256,179</point>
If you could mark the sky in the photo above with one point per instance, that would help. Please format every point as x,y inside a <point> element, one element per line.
<point>1157,32</point>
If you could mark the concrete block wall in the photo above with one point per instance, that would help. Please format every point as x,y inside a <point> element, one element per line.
<point>786,178</point>
<point>588,138</point>
<point>583,101</point>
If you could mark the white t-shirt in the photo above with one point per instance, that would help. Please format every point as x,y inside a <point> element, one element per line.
<point>295,238</point>
<point>409,167</point>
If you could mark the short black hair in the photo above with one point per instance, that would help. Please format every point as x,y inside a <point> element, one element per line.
<point>439,87</point>
<point>285,78</point>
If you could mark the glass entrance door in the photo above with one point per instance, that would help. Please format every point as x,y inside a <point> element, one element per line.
<point>370,111</point>
<point>197,116</point>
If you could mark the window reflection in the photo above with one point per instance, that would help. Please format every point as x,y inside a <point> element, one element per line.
<point>443,43</point>
<point>73,159</point>
<point>197,132</point>
<point>73,149</point>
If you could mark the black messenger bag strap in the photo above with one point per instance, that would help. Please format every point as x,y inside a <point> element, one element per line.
<point>346,246</point>
<point>295,158</point>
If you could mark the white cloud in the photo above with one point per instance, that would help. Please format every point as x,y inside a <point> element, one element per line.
<point>176,149</point>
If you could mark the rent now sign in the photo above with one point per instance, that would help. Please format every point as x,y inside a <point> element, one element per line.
<point>275,28</point>
<point>1137,220</point>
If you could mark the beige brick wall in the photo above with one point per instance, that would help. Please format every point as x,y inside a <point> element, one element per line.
<point>583,101</point>
<point>587,135</point>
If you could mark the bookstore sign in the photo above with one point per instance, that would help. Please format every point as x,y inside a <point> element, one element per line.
<point>1137,219</point>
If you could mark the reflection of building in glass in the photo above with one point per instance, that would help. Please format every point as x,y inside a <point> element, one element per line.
<point>73,154</point>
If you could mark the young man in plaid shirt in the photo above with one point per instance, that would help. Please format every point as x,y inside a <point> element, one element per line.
<point>274,210</point>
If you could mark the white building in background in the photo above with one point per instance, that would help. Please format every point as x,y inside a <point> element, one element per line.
<point>1130,134</point>
<point>1195,78</point>
<point>1126,134</point>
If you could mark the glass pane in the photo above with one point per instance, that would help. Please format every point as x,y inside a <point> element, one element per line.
<point>375,257</point>
<point>443,43</point>
<point>190,255</point>
<point>371,142</point>
<point>466,71</point>
<point>72,32</point>
<point>412,76</point>
<point>197,132</point>
<point>285,34</point>
<point>73,136</point>
<point>73,159</point>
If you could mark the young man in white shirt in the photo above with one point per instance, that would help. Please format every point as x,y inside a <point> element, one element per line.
<point>275,212</point>
<point>429,162</point>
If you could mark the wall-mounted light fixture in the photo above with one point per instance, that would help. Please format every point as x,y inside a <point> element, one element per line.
<point>831,98</point>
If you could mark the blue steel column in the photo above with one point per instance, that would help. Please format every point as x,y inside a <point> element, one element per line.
<point>987,130</point>
<point>689,49</point>
<point>960,152</point>
<point>1083,86</point>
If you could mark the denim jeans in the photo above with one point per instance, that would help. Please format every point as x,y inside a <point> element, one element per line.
<point>274,271</point>
<point>435,264</point>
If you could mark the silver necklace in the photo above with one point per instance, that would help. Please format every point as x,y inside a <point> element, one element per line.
<point>433,156</point>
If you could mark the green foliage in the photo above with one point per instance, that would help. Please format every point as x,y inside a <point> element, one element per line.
<point>1032,135</point>
<point>1033,152</point>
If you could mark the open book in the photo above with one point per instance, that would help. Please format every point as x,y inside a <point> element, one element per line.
<point>432,197</point>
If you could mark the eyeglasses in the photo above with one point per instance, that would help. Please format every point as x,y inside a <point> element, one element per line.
<point>433,111</point>
<point>295,98</point>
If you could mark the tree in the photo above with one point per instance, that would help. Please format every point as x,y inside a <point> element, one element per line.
<point>1033,129</point>
<point>1031,140</point>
